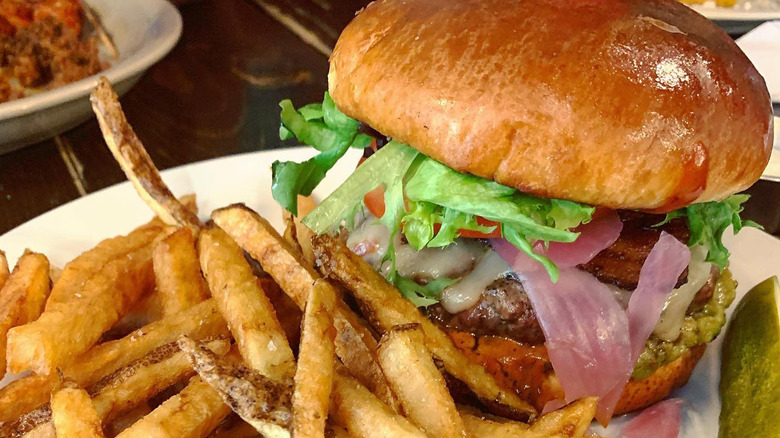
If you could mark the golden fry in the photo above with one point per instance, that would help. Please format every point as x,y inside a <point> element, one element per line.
<point>200,321</point>
<point>479,425</point>
<point>4,272</point>
<point>129,152</point>
<point>120,391</point>
<point>127,419</point>
<point>23,296</point>
<point>262,402</point>
<point>414,377</point>
<point>234,427</point>
<point>192,413</point>
<point>314,375</point>
<point>571,420</point>
<point>67,329</point>
<point>247,310</point>
<point>359,411</point>
<point>388,308</point>
<point>264,244</point>
<point>177,272</point>
<point>73,413</point>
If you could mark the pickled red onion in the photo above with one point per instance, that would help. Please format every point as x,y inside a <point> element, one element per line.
<point>592,342</point>
<point>662,420</point>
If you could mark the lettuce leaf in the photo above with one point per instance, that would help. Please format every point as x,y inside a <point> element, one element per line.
<point>326,129</point>
<point>707,222</point>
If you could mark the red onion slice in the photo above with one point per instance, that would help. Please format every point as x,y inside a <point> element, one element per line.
<point>659,274</point>
<point>662,420</point>
<point>587,335</point>
<point>595,236</point>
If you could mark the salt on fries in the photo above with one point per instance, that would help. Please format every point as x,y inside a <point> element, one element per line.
<point>222,309</point>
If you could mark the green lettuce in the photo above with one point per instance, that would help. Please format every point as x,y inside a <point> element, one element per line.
<point>707,222</point>
<point>323,127</point>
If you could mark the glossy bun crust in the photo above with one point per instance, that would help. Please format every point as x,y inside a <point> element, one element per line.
<point>631,104</point>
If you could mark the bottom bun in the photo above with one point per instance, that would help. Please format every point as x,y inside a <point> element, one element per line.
<point>527,371</point>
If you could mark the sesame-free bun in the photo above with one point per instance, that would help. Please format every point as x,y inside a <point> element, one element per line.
<point>630,104</point>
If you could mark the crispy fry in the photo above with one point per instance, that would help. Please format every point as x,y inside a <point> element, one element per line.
<point>73,413</point>
<point>177,272</point>
<point>287,312</point>
<point>120,391</point>
<point>192,413</point>
<point>389,308</point>
<point>200,321</point>
<point>68,328</point>
<point>571,420</point>
<point>264,244</point>
<point>4,272</point>
<point>297,234</point>
<point>314,376</point>
<point>335,431</point>
<point>262,402</point>
<point>129,152</point>
<point>246,309</point>
<point>412,374</point>
<point>127,419</point>
<point>359,411</point>
<point>23,296</point>
<point>80,270</point>
<point>479,425</point>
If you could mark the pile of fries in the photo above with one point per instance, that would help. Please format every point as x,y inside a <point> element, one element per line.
<point>189,329</point>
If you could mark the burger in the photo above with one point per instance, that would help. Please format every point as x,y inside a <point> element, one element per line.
<point>548,180</point>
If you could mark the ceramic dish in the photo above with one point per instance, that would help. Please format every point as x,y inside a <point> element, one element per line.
<point>143,30</point>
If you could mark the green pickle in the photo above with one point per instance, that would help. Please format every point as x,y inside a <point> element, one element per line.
<point>750,368</point>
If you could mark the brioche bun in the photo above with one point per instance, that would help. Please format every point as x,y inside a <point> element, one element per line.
<point>627,104</point>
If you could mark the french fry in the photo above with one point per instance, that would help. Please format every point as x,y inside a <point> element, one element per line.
<point>419,385</point>
<point>480,425</point>
<point>73,413</point>
<point>127,419</point>
<point>68,329</point>
<point>388,308</point>
<point>120,391</point>
<point>192,413</point>
<point>296,233</point>
<point>314,375</point>
<point>4,272</point>
<point>256,236</point>
<point>571,420</point>
<point>247,310</point>
<point>23,296</point>
<point>363,414</point>
<point>80,270</point>
<point>262,402</point>
<point>200,321</point>
<point>129,152</point>
<point>335,431</point>
<point>177,272</point>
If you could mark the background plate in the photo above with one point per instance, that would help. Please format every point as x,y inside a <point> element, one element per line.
<point>143,30</point>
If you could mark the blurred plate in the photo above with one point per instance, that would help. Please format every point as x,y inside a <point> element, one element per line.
<point>743,16</point>
<point>66,231</point>
<point>143,30</point>
<point>772,171</point>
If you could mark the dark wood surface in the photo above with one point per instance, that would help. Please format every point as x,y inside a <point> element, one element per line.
<point>215,94</point>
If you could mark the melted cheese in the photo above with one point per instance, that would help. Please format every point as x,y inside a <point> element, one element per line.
<point>466,293</point>
<point>671,322</point>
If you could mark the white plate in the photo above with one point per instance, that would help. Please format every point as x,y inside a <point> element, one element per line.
<point>143,30</point>
<point>72,228</point>
<point>772,171</point>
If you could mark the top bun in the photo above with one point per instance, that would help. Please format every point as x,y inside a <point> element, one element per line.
<point>628,104</point>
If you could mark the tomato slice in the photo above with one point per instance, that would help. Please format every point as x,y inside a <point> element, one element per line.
<point>375,203</point>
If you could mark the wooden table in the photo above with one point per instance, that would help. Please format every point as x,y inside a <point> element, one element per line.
<point>216,94</point>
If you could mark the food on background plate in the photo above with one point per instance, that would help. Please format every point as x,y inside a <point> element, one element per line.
<point>750,372</point>
<point>46,44</point>
<point>547,181</point>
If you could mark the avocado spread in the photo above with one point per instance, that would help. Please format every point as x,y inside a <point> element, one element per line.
<point>698,328</point>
